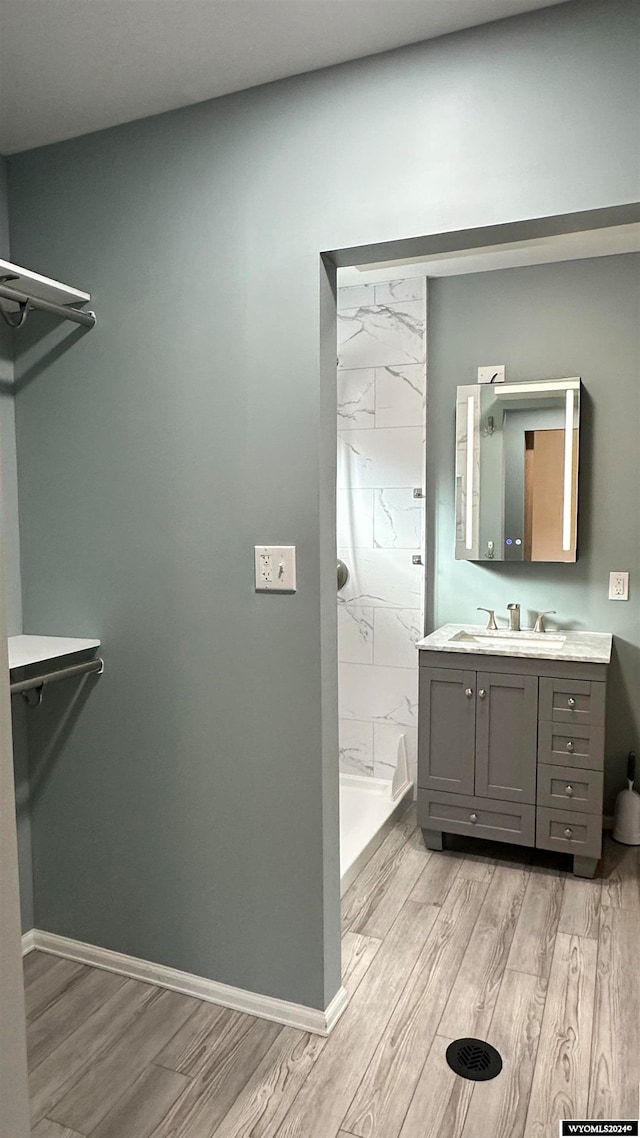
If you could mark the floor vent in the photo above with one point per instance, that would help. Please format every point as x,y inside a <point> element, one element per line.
<point>474,1059</point>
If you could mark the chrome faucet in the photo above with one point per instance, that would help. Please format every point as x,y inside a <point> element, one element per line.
<point>514,617</point>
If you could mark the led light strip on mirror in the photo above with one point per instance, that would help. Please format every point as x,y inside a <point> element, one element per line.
<point>568,471</point>
<point>471,441</point>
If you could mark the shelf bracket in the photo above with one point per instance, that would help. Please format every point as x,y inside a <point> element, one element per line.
<point>33,696</point>
<point>23,306</point>
<point>21,315</point>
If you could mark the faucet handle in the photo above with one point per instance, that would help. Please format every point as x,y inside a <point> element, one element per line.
<point>539,625</point>
<point>491,619</point>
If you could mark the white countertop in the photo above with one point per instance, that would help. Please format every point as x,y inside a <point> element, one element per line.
<point>27,650</point>
<point>581,647</point>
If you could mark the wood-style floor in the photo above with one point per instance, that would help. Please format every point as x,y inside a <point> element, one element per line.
<point>494,942</point>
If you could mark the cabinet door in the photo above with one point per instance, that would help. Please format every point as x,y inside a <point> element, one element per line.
<point>446,730</point>
<point>506,737</point>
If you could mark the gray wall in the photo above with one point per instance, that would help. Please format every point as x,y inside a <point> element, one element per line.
<point>14,1103</point>
<point>10,543</point>
<point>14,1098</point>
<point>549,321</point>
<point>186,810</point>
<point>8,468</point>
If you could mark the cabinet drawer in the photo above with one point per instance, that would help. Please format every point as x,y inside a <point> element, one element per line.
<point>571,746</point>
<point>565,788</point>
<point>455,813</point>
<point>569,832</point>
<point>572,701</point>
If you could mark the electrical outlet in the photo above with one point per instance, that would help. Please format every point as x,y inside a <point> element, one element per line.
<point>275,568</point>
<point>491,373</point>
<point>619,586</point>
<point>265,568</point>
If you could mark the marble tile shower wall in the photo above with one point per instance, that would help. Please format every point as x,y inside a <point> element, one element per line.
<point>381,440</point>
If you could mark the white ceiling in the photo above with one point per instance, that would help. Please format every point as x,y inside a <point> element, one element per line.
<point>68,67</point>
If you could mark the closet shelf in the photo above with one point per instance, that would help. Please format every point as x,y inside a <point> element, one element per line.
<point>26,290</point>
<point>35,661</point>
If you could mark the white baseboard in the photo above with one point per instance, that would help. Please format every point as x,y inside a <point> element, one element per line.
<point>28,942</point>
<point>264,1007</point>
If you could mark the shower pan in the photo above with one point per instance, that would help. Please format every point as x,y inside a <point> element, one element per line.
<point>368,809</point>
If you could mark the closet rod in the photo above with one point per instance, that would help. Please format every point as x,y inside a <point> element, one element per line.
<point>87,318</point>
<point>61,674</point>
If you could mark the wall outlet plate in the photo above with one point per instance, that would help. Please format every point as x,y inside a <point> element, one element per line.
<point>275,568</point>
<point>618,586</point>
<point>491,373</point>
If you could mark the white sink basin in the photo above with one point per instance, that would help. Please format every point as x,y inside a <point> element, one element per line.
<point>504,639</point>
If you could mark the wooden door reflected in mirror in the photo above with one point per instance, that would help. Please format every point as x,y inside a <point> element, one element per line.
<point>544,495</point>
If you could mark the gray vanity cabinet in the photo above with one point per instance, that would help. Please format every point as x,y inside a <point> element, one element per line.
<point>513,750</point>
<point>477,733</point>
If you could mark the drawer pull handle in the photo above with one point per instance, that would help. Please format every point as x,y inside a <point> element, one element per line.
<point>468,692</point>
<point>569,791</point>
<point>570,747</point>
<point>473,817</point>
<point>571,701</point>
<point>482,693</point>
<point>568,832</point>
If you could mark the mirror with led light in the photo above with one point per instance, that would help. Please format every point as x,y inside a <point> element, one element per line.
<point>517,471</point>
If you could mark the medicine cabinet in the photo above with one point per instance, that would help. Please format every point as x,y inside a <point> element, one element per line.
<point>517,471</point>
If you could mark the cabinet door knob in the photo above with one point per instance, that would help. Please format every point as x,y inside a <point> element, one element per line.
<point>570,747</point>
<point>568,832</point>
<point>468,692</point>
<point>473,817</point>
<point>571,701</point>
<point>482,693</point>
<point>569,791</point>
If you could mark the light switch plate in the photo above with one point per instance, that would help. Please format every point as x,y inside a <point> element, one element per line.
<point>275,568</point>
<point>618,586</point>
<point>491,373</point>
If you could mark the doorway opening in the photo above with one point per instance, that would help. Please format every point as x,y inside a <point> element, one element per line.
<point>373,285</point>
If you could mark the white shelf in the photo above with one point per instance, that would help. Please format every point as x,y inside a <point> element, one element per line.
<point>42,288</point>
<point>24,651</point>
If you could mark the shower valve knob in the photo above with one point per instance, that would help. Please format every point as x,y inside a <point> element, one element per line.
<point>343,574</point>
